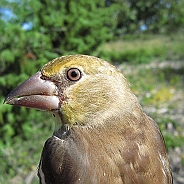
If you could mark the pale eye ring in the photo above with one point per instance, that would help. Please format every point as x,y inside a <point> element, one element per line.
<point>74,74</point>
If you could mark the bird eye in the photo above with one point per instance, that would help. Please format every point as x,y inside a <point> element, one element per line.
<point>73,74</point>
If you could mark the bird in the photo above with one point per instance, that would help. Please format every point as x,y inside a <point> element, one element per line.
<point>102,135</point>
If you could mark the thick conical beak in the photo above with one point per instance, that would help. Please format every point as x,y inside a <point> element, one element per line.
<point>35,93</point>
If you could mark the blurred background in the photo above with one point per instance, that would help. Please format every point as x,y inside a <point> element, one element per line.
<point>144,39</point>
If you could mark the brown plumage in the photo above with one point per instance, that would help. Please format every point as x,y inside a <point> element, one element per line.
<point>102,136</point>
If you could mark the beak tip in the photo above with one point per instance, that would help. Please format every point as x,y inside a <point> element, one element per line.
<point>8,98</point>
<point>5,101</point>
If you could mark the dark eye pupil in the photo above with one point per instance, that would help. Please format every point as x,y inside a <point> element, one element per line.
<point>74,74</point>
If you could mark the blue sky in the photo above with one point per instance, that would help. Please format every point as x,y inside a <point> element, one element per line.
<point>7,15</point>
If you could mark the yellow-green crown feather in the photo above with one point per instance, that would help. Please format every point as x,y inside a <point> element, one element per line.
<point>89,64</point>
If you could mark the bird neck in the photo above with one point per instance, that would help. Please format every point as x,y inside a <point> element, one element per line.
<point>61,130</point>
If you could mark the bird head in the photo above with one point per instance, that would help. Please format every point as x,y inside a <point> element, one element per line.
<point>78,90</point>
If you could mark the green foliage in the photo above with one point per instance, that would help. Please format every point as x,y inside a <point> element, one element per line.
<point>64,27</point>
<point>171,140</point>
<point>156,16</point>
<point>159,96</point>
<point>144,48</point>
<point>23,155</point>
